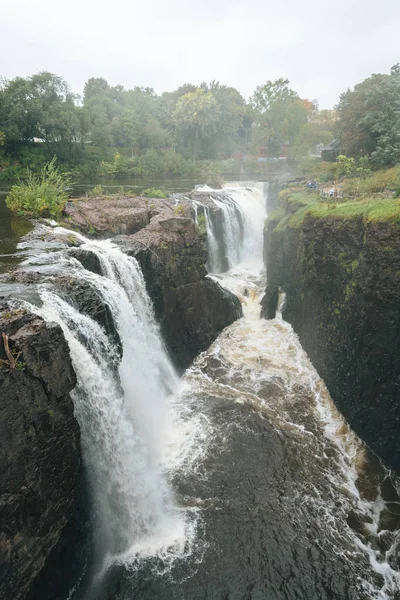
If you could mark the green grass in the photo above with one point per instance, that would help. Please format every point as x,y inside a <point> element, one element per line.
<point>297,204</point>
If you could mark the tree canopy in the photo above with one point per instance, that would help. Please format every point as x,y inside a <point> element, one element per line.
<point>194,122</point>
<point>369,119</point>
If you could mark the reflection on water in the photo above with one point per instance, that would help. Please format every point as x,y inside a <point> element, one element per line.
<point>12,228</point>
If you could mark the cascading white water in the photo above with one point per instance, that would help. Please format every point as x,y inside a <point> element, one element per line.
<point>243,212</point>
<point>255,351</point>
<point>121,407</point>
<point>130,424</point>
<point>212,242</point>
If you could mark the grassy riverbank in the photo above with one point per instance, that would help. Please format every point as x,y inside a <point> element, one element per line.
<point>297,203</point>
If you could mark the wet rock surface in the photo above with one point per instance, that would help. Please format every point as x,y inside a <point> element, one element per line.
<point>43,544</point>
<point>342,279</point>
<point>41,483</point>
<point>109,216</point>
<point>162,236</point>
<point>191,308</point>
<point>262,538</point>
<point>269,302</point>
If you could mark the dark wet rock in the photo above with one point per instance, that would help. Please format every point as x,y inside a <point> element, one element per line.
<point>269,303</point>
<point>41,482</point>
<point>191,308</point>
<point>257,539</point>
<point>342,279</point>
<point>89,260</point>
<point>88,301</point>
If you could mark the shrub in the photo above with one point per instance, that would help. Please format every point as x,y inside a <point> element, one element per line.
<point>179,210</point>
<point>42,195</point>
<point>96,191</point>
<point>201,225</point>
<point>154,193</point>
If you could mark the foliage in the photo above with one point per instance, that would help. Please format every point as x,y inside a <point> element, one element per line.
<point>273,93</point>
<point>96,191</point>
<point>115,132</point>
<point>195,117</point>
<point>280,115</point>
<point>42,107</point>
<point>369,119</point>
<point>201,225</point>
<point>154,193</point>
<point>179,210</point>
<point>42,195</point>
<point>296,205</point>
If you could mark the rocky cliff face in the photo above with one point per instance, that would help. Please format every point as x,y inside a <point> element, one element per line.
<point>41,479</point>
<point>43,538</point>
<point>342,279</point>
<point>191,308</point>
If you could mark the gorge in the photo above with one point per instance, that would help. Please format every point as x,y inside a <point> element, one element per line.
<point>239,480</point>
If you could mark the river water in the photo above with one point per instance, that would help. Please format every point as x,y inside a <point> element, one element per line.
<point>239,482</point>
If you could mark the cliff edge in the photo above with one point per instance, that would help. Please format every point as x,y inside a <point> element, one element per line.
<point>339,265</point>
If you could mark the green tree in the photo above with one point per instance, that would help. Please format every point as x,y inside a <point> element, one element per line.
<point>356,135</point>
<point>369,119</point>
<point>195,117</point>
<point>319,129</point>
<point>279,115</point>
<point>100,112</point>
<point>95,86</point>
<point>229,133</point>
<point>41,106</point>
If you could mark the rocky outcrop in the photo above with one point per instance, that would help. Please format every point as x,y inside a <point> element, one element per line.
<point>342,279</point>
<point>109,216</point>
<point>191,308</point>
<point>42,543</point>
<point>40,487</point>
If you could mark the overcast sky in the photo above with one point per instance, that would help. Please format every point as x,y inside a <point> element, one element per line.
<point>322,46</point>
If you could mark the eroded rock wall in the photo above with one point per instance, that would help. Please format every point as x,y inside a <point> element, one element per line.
<point>342,279</point>
<point>41,482</point>
<point>191,308</point>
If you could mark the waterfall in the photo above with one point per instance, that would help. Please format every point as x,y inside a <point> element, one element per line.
<point>242,214</point>
<point>213,263</point>
<point>121,406</point>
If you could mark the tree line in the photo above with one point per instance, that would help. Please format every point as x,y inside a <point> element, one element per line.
<point>111,130</point>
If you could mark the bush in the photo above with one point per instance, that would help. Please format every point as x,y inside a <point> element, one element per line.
<point>10,172</point>
<point>201,225</point>
<point>96,191</point>
<point>154,193</point>
<point>179,210</point>
<point>42,195</point>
